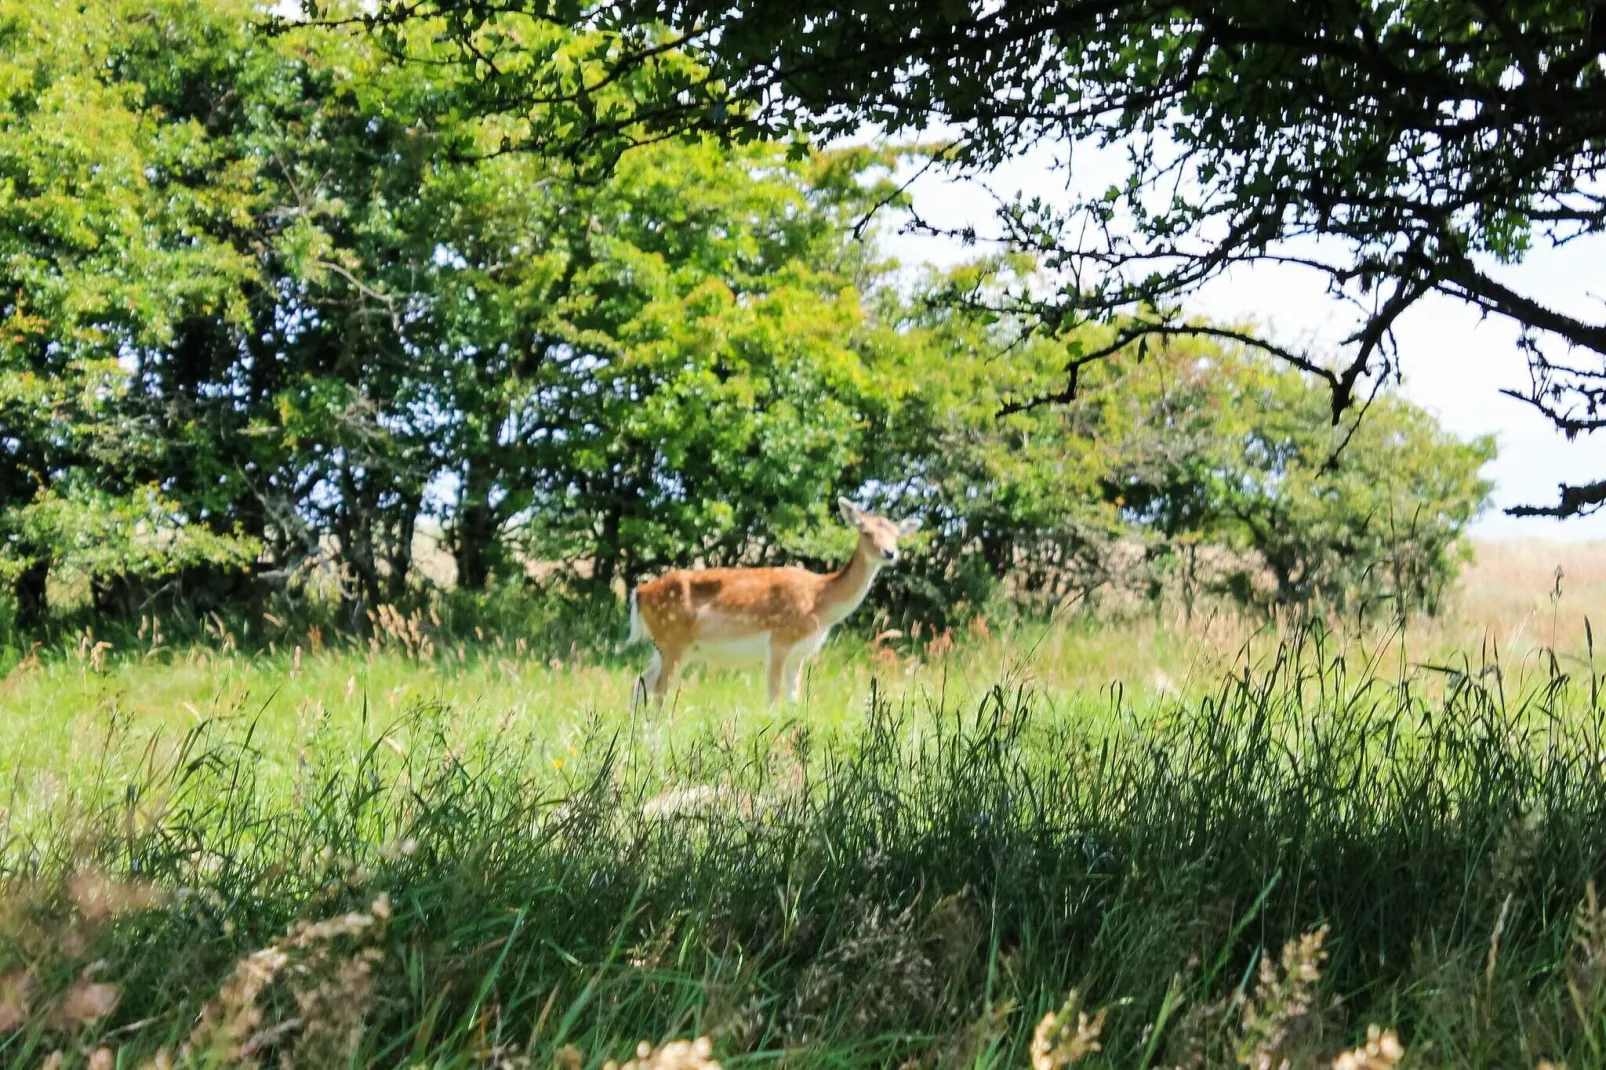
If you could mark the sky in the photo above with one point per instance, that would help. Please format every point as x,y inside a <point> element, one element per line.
<point>1454,362</point>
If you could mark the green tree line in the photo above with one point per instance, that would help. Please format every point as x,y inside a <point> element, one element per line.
<point>270,302</point>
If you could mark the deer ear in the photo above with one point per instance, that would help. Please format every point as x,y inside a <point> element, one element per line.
<point>909,525</point>
<point>850,512</point>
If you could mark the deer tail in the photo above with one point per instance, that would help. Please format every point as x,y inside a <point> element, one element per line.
<point>637,633</point>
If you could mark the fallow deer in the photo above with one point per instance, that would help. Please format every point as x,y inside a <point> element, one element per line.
<point>736,615</point>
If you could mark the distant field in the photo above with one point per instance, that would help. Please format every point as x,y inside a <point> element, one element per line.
<point>912,867</point>
<point>1511,587</point>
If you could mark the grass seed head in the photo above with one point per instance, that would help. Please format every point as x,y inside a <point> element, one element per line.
<point>1059,1040</point>
<point>99,896</point>
<point>675,1055</point>
<point>87,1002</point>
<point>1381,1051</point>
<point>16,999</point>
<point>1282,1011</point>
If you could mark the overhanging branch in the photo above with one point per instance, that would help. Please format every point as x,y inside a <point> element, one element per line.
<point>1579,500</point>
<point>1127,335</point>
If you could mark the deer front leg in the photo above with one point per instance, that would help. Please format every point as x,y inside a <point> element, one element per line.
<point>801,655</point>
<point>780,655</point>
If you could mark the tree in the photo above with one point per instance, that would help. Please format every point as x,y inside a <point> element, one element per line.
<point>267,302</point>
<point>708,397</point>
<point>1227,449</point>
<point>99,265</point>
<point>1398,148</point>
<point>205,348</point>
<point>261,314</point>
<point>1195,467</point>
<point>1014,502</point>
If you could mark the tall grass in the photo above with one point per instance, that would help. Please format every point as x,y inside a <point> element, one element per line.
<point>1249,875</point>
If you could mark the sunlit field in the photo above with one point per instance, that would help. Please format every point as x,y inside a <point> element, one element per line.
<point>427,848</point>
<point>370,370</point>
<point>90,700</point>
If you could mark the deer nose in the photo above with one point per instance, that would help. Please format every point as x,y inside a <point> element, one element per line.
<point>889,555</point>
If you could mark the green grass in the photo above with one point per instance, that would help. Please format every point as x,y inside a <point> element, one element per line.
<point>55,715</point>
<point>916,864</point>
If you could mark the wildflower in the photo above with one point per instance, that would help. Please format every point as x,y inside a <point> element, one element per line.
<point>103,1059</point>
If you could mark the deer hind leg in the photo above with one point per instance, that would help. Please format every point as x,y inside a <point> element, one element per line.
<point>647,682</point>
<point>669,662</point>
<point>794,673</point>
<point>657,678</point>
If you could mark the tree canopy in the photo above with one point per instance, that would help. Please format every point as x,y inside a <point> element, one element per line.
<point>273,307</point>
<point>1398,148</point>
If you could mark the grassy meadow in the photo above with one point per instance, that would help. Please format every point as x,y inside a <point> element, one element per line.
<point>1139,842</point>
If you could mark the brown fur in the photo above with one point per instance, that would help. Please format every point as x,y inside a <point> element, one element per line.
<point>767,598</point>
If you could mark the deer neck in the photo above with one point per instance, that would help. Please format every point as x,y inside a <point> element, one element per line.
<point>846,587</point>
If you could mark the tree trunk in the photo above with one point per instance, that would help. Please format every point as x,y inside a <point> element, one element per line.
<point>29,590</point>
<point>472,543</point>
<point>399,558</point>
<point>474,531</point>
<point>606,564</point>
<point>1190,580</point>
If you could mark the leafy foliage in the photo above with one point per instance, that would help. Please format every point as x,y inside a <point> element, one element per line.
<point>1332,515</point>
<point>104,258</point>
